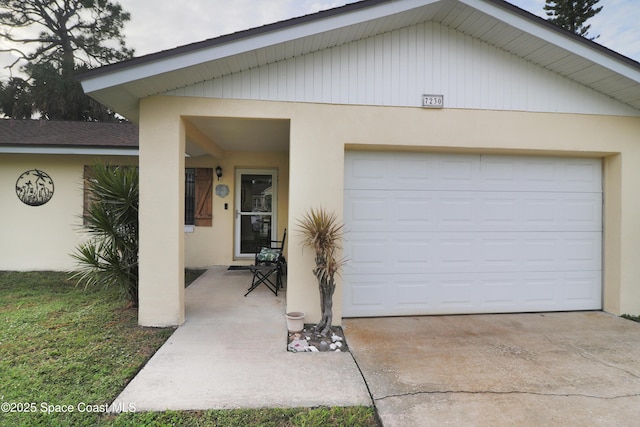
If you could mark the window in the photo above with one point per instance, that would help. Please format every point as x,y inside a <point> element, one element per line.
<point>189,196</point>
<point>198,194</point>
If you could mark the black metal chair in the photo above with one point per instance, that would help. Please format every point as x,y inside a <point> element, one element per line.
<point>269,261</point>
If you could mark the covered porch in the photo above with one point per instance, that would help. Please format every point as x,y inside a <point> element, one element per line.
<point>242,201</point>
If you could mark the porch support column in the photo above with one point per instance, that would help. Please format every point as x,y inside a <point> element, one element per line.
<point>161,216</point>
<point>310,158</point>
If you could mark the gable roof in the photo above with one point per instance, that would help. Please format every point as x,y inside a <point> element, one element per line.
<point>67,137</point>
<point>496,22</point>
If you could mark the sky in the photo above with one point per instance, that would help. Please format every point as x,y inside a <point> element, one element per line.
<point>157,25</point>
<point>618,24</point>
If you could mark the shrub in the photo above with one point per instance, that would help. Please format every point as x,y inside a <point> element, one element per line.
<point>110,256</point>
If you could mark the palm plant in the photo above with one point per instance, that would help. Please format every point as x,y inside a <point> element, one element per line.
<point>110,256</point>
<point>323,233</point>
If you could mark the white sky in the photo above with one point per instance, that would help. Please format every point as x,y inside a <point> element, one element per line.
<point>164,24</point>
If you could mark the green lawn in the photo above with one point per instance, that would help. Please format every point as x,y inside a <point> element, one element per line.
<point>66,353</point>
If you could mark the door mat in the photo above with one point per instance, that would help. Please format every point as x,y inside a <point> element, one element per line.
<point>238,267</point>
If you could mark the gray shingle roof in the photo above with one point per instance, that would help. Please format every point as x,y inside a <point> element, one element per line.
<point>26,133</point>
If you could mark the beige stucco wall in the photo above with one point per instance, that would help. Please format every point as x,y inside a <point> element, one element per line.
<point>42,237</point>
<point>321,133</point>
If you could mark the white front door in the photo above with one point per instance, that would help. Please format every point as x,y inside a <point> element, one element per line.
<point>256,207</point>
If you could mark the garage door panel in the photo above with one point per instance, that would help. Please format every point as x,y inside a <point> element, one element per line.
<point>471,211</point>
<point>499,252</point>
<point>462,171</point>
<point>540,174</point>
<point>443,172</point>
<point>581,174</point>
<point>370,254</point>
<point>581,252</point>
<point>412,253</point>
<point>584,212</point>
<point>566,291</point>
<point>501,292</point>
<point>473,293</point>
<point>448,234</point>
<point>456,294</point>
<point>413,292</point>
<point>369,294</point>
<point>448,252</point>
<point>455,253</point>
<point>457,211</point>
<point>368,212</point>
<point>582,289</point>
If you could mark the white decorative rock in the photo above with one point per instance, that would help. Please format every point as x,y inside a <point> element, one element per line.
<point>298,345</point>
<point>332,346</point>
<point>335,338</point>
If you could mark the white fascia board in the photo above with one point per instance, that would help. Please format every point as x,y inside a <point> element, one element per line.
<point>243,45</point>
<point>554,38</point>
<point>70,151</point>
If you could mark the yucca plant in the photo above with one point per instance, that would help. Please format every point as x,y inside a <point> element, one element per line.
<point>110,256</point>
<point>323,233</point>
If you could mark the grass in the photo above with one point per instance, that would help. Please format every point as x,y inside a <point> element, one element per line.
<point>61,345</point>
<point>191,275</point>
<point>631,317</point>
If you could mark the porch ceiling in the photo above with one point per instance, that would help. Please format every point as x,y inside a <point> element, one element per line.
<point>239,134</point>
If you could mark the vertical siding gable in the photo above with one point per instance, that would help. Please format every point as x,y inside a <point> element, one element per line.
<point>395,68</point>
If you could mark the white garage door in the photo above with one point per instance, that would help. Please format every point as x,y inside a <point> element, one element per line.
<point>448,234</point>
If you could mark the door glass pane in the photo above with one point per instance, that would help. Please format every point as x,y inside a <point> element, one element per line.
<point>255,231</point>
<point>256,206</point>
<point>256,193</point>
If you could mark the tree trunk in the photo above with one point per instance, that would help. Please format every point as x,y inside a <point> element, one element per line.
<point>327,288</point>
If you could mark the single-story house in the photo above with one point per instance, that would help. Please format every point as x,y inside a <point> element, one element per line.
<point>482,159</point>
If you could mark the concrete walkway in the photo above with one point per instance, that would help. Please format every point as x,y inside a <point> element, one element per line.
<point>231,353</point>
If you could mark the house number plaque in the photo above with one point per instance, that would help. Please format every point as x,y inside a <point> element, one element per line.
<point>433,101</point>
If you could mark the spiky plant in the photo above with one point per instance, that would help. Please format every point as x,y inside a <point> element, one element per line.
<point>110,256</point>
<point>323,233</point>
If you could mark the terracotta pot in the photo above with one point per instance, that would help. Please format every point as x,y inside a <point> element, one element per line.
<point>295,321</point>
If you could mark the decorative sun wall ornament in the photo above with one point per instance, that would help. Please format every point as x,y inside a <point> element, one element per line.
<point>222,190</point>
<point>34,187</point>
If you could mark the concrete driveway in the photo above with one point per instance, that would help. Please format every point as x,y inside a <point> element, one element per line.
<point>543,369</point>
